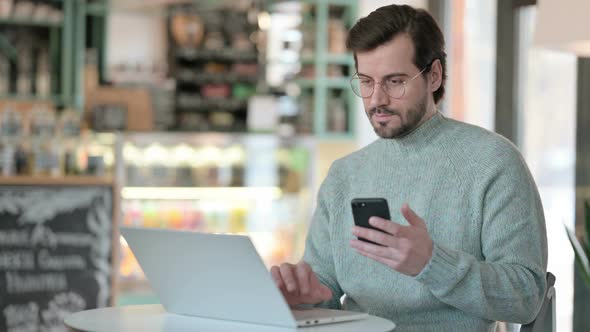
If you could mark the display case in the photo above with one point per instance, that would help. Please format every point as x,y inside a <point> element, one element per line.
<point>214,61</point>
<point>254,184</point>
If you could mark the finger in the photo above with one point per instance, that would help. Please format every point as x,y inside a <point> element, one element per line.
<point>276,276</point>
<point>383,260</point>
<point>387,252</point>
<point>379,237</point>
<point>387,226</point>
<point>288,277</point>
<point>323,292</point>
<point>303,271</point>
<point>412,217</point>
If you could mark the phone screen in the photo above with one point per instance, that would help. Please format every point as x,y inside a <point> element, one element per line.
<point>365,208</point>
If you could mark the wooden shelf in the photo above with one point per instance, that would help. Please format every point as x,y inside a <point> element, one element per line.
<point>56,181</point>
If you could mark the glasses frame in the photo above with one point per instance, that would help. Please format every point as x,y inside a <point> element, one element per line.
<point>402,84</point>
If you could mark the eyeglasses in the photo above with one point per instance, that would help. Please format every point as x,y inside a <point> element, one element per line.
<point>393,86</point>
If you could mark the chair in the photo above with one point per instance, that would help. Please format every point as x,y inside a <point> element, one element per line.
<point>545,320</point>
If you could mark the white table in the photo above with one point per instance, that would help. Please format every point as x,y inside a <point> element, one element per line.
<point>153,318</point>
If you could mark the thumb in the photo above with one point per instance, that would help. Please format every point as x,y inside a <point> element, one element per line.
<point>325,293</point>
<point>411,216</point>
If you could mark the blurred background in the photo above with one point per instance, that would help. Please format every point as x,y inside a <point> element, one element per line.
<point>224,116</point>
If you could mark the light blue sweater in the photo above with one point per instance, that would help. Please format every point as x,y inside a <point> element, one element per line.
<point>482,210</point>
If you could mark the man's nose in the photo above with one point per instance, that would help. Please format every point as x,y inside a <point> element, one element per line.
<point>379,97</point>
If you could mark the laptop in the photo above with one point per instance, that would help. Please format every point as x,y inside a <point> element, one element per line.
<point>218,276</point>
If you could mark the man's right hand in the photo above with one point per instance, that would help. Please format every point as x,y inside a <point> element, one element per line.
<point>299,284</point>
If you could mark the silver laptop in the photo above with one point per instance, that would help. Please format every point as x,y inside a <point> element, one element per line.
<point>217,276</point>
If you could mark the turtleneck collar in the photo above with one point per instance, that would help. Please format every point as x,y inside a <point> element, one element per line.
<point>420,138</point>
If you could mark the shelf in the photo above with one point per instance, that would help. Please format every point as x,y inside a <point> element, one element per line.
<point>340,59</point>
<point>331,136</point>
<point>338,83</point>
<point>97,8</point>
<point>330,82</point>
<point>197,103</point>
<point>227,54</point>
<point>29,22</point>
<point>331,59</point>
<point>32,98</point>
<point>56,181</point>
<point>204,78</point>
<point>328,65</point>
<point>305,82</point>
<point>195,193</point>
<point>331,2</point>
<point>216,138</point>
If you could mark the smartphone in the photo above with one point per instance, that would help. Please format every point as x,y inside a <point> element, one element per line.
<point>365,208</point>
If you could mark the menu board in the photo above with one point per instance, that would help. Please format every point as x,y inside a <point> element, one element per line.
<point>55,254</point>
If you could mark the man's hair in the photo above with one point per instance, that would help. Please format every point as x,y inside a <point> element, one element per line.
<point>385,23</point>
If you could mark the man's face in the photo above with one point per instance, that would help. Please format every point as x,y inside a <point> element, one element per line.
<point>391,117</point>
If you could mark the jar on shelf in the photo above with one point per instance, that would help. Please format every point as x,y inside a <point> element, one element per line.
<point>11,144</point>
<point>336,36</point>
<point>69,127</point>
<point>336,115</point>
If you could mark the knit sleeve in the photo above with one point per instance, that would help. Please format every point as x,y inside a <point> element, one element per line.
<point>508,285</point>
<point>318,249</point>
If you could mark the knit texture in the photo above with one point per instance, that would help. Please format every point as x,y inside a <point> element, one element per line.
<point>483,213</point>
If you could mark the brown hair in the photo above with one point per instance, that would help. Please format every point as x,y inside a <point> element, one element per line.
<point>383,24</point>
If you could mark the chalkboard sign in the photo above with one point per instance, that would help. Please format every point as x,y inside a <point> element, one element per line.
<point>55,254</point>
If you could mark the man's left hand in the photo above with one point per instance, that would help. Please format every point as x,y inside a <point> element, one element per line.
<point>406,249</point>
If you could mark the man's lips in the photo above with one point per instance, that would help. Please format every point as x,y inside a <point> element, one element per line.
<point>382,116</point>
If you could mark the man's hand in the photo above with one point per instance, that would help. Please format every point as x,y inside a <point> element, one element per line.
<point>299,284</point>
<point>406,249</point>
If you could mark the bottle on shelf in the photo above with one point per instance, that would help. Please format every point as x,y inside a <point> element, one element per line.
<point>43,77</point>
<point>24,68</point>
<point>46,154</point>
<point>4,74</point>
<point>336,114</point>
<point>10,135</point>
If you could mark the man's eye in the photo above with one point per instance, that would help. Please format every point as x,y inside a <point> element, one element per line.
<point>394,81</point>
<point>366,82</point>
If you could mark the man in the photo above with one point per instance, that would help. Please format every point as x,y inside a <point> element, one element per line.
<point>466,245</point>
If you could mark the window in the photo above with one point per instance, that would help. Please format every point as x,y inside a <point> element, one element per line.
<point>470,31</point>
<point>546,109</point>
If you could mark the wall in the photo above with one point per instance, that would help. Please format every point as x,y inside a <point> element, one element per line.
<point>136,38</point>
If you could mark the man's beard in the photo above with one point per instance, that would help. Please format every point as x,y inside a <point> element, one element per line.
<point>413,117</point>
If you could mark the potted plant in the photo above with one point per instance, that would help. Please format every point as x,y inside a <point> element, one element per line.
<point>582,248</point>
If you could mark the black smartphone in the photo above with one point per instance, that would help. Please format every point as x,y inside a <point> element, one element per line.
<point>365,208</point>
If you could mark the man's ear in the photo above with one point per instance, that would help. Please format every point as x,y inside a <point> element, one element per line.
<point>436,74</point>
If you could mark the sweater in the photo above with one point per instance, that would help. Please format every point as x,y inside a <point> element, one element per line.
<point>483,213</point>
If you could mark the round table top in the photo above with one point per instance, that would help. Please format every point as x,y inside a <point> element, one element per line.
<point>153,318</point>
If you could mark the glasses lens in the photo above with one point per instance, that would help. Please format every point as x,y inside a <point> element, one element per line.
<point>362,87</point>
<point>395,90</point>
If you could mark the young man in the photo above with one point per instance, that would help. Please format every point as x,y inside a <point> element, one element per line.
<point>466,244</point>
